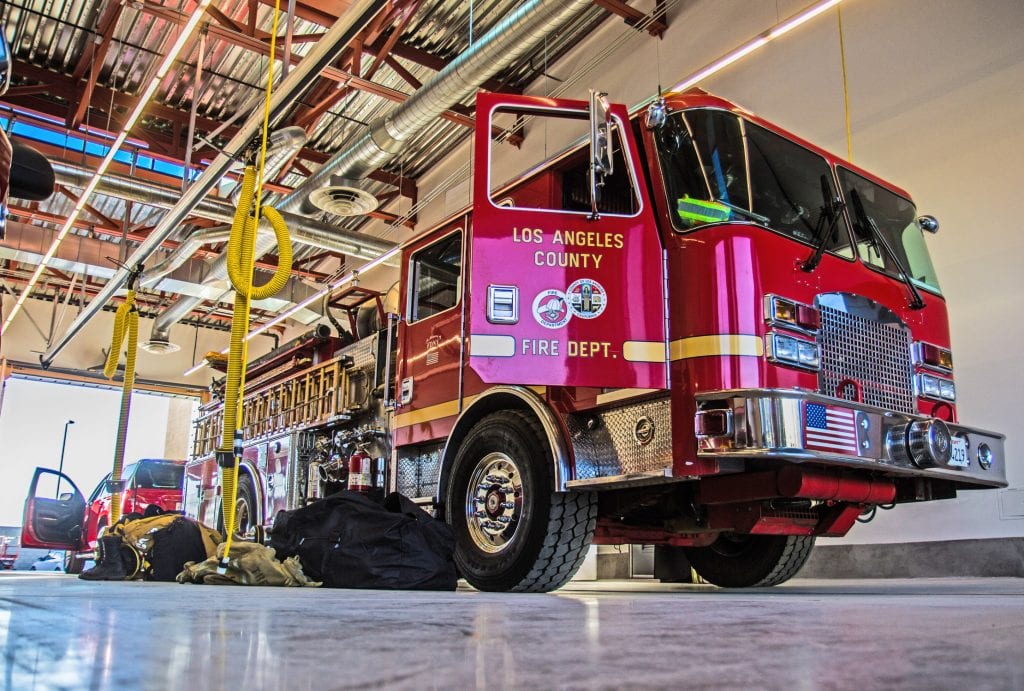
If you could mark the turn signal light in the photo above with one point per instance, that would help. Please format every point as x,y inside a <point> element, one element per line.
<point>930,355</point>
<point>783,312</point>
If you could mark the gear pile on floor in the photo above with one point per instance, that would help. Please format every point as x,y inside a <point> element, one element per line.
<point>343,541</point>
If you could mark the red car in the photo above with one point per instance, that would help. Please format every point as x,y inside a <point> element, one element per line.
<point>57,515</point>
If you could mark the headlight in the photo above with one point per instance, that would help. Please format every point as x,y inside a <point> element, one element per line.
<point>808,354</point>
<point>934,387</point>
<point>787,350</point>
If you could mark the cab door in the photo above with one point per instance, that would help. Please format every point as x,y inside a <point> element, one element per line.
<point>54,510</point>
<point>563,296</point>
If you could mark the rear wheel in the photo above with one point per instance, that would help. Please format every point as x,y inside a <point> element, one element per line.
<point>742,561</point>
<point>246,516</point>
<point>512,531</point>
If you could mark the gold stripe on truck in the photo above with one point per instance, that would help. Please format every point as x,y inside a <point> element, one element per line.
<point>694,346</point>
<point>443,410</point>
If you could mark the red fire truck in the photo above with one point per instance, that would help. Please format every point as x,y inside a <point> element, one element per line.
<point>690,329</point>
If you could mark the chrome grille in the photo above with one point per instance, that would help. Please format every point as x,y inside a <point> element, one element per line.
<point>874,354</point>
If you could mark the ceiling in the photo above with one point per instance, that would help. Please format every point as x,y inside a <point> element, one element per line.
<point>80,66</point>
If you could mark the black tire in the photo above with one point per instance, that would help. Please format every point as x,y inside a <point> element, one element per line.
<point>246,514</point>
<point>507,459</point>
<point>72,562</point>
<point>743,561</point>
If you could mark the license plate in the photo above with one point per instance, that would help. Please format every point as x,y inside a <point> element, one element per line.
<point>958,458</point>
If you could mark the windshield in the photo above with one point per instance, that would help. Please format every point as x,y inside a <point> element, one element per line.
<point>159,475</point>
<point>720,168</point>
<point>894,217</point>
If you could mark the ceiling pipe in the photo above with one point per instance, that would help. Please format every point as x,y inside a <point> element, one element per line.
<point>512,38</point>
<point>298,81</point>
<point>303,230</point>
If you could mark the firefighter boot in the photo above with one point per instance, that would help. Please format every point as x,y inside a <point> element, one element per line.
<point>115,561</point>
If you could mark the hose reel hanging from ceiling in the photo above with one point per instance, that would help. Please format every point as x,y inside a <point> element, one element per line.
<point>240,264</point>
<point>126,325</point>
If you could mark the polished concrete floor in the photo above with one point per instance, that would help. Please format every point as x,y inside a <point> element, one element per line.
<point>59,632</point>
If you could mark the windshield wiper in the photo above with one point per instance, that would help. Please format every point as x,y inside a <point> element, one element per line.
<point>758,218</point>
<point>916,302</point>
<point>830,210</point>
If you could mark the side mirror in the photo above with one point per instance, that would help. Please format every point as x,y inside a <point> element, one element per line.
<point>601,160</point>
<point>66,496</point>
<point>5,61</point>
<point>928,223</point>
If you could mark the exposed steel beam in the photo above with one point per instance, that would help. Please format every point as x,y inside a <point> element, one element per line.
<point>136,236</point>
<point>322,12</point>
<point>633,16</point>
<point>87,207</point>
<point>94,64</point>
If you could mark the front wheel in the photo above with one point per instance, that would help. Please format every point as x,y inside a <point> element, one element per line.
<point>743,561</point>
<point>512,532</point>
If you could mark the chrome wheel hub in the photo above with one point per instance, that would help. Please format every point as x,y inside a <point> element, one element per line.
<point>494,502</point>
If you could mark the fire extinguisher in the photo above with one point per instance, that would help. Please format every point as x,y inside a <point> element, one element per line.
<point>360,475</point>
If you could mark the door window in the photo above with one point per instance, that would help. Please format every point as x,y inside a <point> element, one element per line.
<point>436,272</point>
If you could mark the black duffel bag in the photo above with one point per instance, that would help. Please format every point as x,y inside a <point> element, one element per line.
<point>347,540</point>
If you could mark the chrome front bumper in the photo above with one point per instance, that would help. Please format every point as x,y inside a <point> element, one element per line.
<point>767,423</point>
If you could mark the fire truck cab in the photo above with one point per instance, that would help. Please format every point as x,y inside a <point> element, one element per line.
<point>690,329</point>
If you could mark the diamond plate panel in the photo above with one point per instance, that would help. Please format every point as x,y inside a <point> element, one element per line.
<point>418,474</point>
<point>363,353</point>
<point>621,441</point>
<point>872,353</point>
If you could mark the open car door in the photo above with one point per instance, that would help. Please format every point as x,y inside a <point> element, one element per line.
<point>54,510</point>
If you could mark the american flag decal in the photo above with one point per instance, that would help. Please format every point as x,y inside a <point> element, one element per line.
<point>830,428</point>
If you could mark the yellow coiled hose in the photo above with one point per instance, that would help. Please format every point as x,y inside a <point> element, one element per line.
<point>126,323</point>
<point>240,261</point>
<point>240,254</point>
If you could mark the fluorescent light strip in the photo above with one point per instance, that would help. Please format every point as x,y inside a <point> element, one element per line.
<point>115,147</point>
<point>755,43</point>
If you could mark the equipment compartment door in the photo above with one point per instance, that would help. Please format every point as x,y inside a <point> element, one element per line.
<point>560,298</point>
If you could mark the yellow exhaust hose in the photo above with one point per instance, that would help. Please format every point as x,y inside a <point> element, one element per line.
<point>126,323</point>
<point>241,261</point>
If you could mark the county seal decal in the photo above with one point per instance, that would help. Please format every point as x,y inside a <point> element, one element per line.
<point>551,309</point>
<point>587,298</point>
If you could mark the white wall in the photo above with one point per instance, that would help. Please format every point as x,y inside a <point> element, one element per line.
<point>936,90</point>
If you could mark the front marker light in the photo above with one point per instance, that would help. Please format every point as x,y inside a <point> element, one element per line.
<point>933,356</point>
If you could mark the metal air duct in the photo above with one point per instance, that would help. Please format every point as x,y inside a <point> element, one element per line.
<point>511,39</point>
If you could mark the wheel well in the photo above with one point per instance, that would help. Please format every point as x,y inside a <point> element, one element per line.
<point>245,468</point>
<point>507,398</point>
